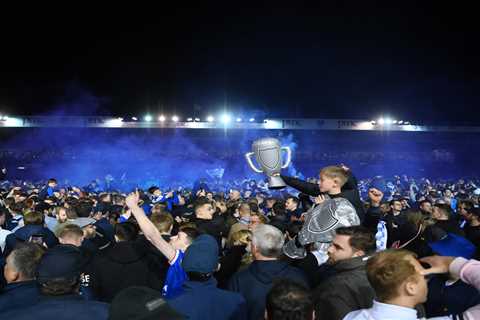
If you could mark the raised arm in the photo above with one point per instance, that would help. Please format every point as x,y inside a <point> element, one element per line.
<point>148,228</point>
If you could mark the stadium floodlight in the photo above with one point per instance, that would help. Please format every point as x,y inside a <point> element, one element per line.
<point>197,119</point>
<point>251,119</point>
<point>189,119</point>
<point>226,118</point>
<point>381,121</point>
<point>239,119</point>
<point>148,118</point>
<point>162,118</point>
<point>210,119</point>
<point>407,123</point>
<point>400,122</point>
<point>175,119</point>
<point>388,121</point>
<point>394,121</point>
<point>134,118</point>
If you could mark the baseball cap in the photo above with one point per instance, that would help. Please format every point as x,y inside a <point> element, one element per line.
<point>202,255</point>
<point>61,261</point>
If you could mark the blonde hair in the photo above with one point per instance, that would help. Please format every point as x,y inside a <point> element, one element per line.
<point>243,236</point>
<point>162,221</point>
<point>388,270</point>
<point>336,173</point>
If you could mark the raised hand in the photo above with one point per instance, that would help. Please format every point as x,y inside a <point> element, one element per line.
<point>132,200</point>
<point>439,264</point>
<point>375,196</point>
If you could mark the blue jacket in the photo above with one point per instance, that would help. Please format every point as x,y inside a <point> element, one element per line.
<point>203,300</point>
<point>14,295</point>
<point>256,281</point>
<point>24,233</point>
<point>71,307</point>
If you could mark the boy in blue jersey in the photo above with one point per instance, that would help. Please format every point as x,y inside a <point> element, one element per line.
<point>173,250</point>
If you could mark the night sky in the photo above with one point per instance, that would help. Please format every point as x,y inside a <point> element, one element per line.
<point>337,59</point>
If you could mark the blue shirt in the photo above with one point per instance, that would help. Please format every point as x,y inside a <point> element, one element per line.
<point>176,277</point>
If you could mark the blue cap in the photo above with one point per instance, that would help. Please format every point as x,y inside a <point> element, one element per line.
<point>379,184</point>
<point>453,246</point>
<point>202,255</point>
<point>62,261</point>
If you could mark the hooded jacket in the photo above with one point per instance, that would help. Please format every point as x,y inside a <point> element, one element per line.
<point>119,267</point>
<point>256,281</point>
<point>346,290</point>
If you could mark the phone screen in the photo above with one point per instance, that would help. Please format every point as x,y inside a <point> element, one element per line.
<point>37,239</point>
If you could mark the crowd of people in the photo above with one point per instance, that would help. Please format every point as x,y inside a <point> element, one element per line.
<point>328,247</point>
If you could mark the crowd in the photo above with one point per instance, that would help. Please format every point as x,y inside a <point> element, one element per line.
<point>328,247</point>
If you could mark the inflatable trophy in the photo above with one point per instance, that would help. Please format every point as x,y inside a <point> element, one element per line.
<point>268,153</point>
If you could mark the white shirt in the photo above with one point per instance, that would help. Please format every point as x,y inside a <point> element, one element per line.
<point>3,235</point>
<point>383,311</point>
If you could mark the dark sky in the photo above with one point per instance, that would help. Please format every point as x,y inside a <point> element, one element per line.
<point>354,59</point>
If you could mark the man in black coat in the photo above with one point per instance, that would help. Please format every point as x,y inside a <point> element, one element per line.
<point>120,266</point>
<point>255,282</point>
<point>347,289</point>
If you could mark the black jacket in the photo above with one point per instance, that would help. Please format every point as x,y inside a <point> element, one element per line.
<point>229,264</point>
<point>349,191</point>
<point>347,290</point>
<point>256,281</point>
<point>450,226</point>
<point>215,227</point>
<point>156,261</point>
<point>119,267</point>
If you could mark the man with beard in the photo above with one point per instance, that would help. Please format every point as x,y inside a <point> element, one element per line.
<point>348,288</point>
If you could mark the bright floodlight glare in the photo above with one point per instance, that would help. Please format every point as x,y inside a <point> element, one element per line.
<point>189,119</point>
<point>161,118</point>
<point>197,119</point>
<point>120,119</point>
<point>251,119</point>
<point>210,119</point>
<point>394,121</point>
<point>388,121</point>
<point>226,118</point>
<point>400,122</point>
<point>381,121</point>
<point>239,119</point>
<point>134,118</point>
<point>175,119</point>
<point>148,118</point>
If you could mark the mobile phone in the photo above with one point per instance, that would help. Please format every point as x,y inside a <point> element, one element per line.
<point>37,238</point>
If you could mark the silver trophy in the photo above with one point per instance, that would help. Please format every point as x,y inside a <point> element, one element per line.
<point>268,153</point>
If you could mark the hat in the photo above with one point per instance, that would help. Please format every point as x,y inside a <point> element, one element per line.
<point>379,184</point>
<point>141,303</point>
<point>61,261</point>
<point>453,246</point>
<point>202,255</point>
